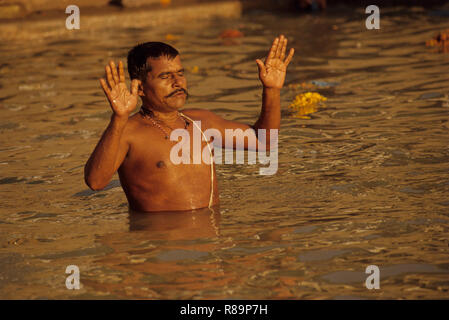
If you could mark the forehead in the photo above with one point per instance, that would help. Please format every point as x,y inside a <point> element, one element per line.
<point>164,64</point>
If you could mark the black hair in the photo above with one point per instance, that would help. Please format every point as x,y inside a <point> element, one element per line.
<point>137,57</point>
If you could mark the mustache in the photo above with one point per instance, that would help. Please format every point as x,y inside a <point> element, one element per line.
<point>177,91</point>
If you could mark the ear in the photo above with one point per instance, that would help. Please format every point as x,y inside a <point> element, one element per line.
<point>140,89</point>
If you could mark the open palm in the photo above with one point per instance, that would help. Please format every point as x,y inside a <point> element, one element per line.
<point>122,100</point>
<point>272,72</point>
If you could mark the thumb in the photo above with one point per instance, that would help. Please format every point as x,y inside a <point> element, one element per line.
<point>261,66</point>
<point>134,87</point>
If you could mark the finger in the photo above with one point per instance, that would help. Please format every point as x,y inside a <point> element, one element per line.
<point>284,48</point>
<point>121,72</point>
<point>111,81</point>
<point>105,87</point>
<point>290,56</point>
<point>273,49</point>
<point>261,66</point>
<point>279,47</point>
<point>134,87</point>
<point>114,72</point>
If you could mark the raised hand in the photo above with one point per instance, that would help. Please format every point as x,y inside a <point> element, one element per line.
<point>122,101</point>
<point>272,72</point>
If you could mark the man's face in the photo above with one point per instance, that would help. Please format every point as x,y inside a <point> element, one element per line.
<point>165,88</point>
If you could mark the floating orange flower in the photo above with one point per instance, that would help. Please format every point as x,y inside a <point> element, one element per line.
<point>441,40</point>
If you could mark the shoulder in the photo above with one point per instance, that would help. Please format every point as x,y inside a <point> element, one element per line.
<point>199,114</point>
<point>207,117</point>
<point>134,122</point>
<point>135,127</point>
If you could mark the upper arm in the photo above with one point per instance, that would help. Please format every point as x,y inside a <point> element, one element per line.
<point>124,146</point>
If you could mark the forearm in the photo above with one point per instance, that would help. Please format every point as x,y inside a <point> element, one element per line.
<point>272,75</point>
<point>270,115</point>
<point>100,167</point>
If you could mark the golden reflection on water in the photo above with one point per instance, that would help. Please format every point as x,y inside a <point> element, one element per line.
<point>364,181</point>
<point>162,251</point>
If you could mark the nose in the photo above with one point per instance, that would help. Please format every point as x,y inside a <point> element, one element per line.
<point>177,80</point>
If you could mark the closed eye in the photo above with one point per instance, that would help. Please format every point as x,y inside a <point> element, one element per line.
<point>167,75</point>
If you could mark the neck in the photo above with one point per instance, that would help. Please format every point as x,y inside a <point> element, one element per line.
<point>169,118</point>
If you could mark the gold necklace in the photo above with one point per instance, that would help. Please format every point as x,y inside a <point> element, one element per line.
<point>149,115</point>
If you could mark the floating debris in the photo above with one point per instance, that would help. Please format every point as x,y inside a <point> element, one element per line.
<point>441,41</point>
<point>194,69</point>
<point>302,85</point>
<point>324,84</point>
<point>171,37</point>
<point>312,85</point>
<point>36,86</point>
<point>231,33</point>
<point>165,2</point>
<point>305,104</point>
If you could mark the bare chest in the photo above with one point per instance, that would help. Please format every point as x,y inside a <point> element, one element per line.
<point>150,151</point>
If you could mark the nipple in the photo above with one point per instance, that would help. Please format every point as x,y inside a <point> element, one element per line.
<point>161,164</point>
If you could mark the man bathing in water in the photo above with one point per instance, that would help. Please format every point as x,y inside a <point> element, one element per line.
<point>138,146</point>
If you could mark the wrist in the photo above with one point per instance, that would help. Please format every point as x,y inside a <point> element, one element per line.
<point>120,119</point>
<point>271,91</point>
<point>274,89</point>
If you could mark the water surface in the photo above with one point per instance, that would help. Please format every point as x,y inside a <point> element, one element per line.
<point>363,182</point>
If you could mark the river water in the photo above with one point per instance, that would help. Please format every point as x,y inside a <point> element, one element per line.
<point>363,182</point>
